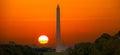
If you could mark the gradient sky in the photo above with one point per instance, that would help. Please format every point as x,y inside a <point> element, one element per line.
<point>23,21</point>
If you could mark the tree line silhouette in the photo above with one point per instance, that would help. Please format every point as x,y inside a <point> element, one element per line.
<point>104,45</point>
<point>14,49</point>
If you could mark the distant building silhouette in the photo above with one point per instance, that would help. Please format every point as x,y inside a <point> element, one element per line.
<point>34,46</point>
<point>12,43</point>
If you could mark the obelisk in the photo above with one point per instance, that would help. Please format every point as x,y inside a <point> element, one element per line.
<point>58,43</point>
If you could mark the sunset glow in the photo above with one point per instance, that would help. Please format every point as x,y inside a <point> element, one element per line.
<point>81,20</point>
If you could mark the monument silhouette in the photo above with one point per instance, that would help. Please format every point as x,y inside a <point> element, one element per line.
<point>58,34</point>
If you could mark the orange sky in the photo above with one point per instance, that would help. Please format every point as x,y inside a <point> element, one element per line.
<point>23,21</point>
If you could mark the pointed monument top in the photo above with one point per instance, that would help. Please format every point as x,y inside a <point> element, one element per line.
<point>58,6</point>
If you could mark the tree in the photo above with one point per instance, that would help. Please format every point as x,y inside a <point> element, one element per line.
<point>8,49</point>
<point>104,37</point>
<point>83,49</point>
<point>117,35</point>
<point>104,45</point>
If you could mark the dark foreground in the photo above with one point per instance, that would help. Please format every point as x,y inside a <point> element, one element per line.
<point>104,45</point>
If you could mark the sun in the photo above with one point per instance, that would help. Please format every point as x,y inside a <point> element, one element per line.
<point>43,39</point>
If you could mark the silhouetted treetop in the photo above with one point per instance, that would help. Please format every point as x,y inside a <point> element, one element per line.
<point>8,49</point>
<point>103,38</point>
<point>105,35</point>
<point>118,34</point>
<point>104,45</point>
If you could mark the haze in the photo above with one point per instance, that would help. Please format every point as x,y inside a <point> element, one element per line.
<point>23,21</point>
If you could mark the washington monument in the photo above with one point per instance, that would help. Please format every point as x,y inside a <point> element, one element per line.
<point>58,43</point>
